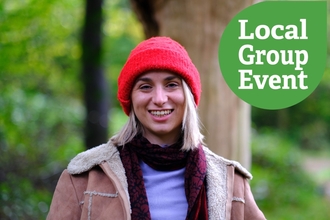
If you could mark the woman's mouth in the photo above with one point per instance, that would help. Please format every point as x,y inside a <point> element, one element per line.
<point>160,113</point>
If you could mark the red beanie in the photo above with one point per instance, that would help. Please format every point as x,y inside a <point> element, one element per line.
<point>157,53</point>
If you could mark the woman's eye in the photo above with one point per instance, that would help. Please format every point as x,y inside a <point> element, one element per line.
<point>144,87</point>
<point>172,85</point>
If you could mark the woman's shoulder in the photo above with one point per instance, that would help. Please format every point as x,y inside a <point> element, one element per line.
<point>88,159</point>
<point>215,161</point>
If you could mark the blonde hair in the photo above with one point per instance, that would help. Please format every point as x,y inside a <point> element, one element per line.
<point>192,136</point>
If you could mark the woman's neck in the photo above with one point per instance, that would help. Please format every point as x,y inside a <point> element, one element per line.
<point>162,140</point>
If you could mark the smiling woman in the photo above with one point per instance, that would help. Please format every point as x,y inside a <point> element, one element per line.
<point>157,166</point>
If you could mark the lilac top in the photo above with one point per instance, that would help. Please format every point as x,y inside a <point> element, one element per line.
<point>165,192</point>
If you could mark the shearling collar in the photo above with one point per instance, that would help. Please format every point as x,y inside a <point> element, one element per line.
<point>86,160</point>
<point>214,158</point>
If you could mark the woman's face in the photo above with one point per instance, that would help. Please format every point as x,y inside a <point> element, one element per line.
<point>158,102</point>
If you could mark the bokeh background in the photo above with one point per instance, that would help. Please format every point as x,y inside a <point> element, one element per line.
<point>42,114</point>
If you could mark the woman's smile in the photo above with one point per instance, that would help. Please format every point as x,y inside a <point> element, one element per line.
<point>160,113</point>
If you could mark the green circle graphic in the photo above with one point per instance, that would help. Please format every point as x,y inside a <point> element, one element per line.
<point>273,54</point>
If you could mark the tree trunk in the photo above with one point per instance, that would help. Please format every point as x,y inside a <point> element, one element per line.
<point>95,88</point>
<point>198,26</point>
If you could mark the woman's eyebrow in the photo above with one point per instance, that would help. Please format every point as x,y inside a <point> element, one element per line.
<point>144,79</point>
<point>169,78</point>
<point>147,79</point>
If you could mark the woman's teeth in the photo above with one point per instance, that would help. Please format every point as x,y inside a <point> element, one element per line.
<point>161,113</point>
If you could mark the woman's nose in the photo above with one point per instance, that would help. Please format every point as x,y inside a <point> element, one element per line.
<point>159,96</point>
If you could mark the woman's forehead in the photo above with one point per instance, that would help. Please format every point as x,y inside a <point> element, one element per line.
<point>158,74</point>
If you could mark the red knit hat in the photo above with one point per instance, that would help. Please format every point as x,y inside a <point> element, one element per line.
<point>157,53</point>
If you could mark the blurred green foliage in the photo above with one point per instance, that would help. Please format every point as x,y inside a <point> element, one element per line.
<point>282,189</point>
<point>41,111</point>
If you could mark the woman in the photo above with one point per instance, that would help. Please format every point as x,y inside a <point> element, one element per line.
<point>157,166</point>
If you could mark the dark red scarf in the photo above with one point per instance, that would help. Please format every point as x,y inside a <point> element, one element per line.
<point>168,158</point>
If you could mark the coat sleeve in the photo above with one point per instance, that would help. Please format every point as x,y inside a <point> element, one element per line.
<point>66,202</point>
<point>243,204</point>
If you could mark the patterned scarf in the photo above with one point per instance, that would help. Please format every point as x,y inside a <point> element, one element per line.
<point>168,158</point>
